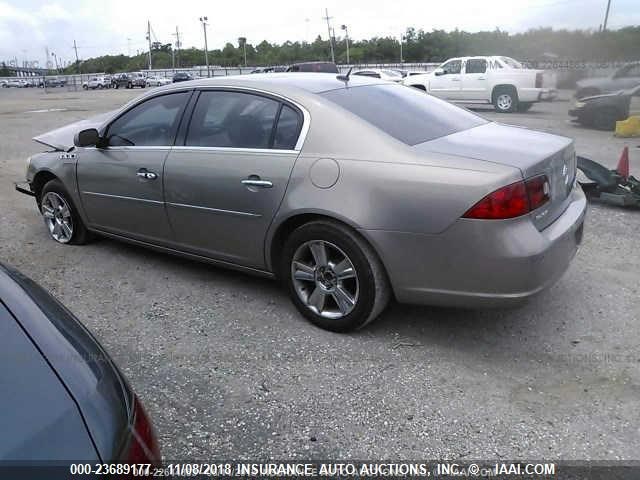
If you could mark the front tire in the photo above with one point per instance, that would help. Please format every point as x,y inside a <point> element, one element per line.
<point>606,119</point>
<point>333,276</point>
<point>505,99</point>
<point>61,216</point>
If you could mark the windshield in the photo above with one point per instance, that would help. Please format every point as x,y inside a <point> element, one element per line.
<point>511,62</point>
<point>405,113</point>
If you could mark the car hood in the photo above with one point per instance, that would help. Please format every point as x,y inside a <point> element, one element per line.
<point>604,95</point>
<point>498,143</point>
<point>62,138</point>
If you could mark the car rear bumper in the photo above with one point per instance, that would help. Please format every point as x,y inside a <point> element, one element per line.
<point>481,263</point>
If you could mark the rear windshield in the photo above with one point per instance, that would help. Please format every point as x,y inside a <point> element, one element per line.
<point>405,113</point>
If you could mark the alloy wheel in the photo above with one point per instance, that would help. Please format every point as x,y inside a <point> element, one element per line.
<point>504,101</point>
<point>57,217</point>
<point>325,279</point>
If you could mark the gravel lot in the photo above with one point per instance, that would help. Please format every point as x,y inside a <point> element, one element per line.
<point>228,369</point>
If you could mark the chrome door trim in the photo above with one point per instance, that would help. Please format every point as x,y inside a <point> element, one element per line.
<point>215,210</point>
<point>306,117</point>
<point>261,151</point>
<point>122,197</point>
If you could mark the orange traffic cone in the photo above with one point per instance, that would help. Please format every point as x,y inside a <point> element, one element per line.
<point>623,164</point>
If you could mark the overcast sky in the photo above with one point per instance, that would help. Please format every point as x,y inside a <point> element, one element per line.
<point>27,27</point>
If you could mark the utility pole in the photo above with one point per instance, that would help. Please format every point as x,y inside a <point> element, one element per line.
<point>346,39</point>
<point>149,38</point>
<point>177,35</point>
<point>327,18</point>
<point>203,20</point>
<point>606,16</point>
<point>401,59</point>
<point>243,42</point>
<point>75,47</point>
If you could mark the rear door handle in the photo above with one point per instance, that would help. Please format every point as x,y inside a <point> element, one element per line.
<point>146,174</point>
<point>256,181</point>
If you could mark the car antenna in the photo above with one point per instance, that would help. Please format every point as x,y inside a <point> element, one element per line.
<point>345,78</point>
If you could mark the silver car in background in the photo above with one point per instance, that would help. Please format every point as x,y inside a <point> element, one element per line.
<point>350,190</point>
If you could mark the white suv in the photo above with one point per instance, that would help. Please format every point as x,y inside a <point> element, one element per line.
<point>501,81</point>
<point>96,82</point>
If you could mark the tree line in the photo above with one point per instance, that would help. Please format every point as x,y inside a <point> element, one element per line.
<point>417,46</point>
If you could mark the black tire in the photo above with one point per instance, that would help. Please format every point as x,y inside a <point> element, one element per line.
<point>80,234</point>
<point>509,92</point>
<point>606,118</point>
<point>524,106</point>
<point>374,290</point>
<point>86,87</point>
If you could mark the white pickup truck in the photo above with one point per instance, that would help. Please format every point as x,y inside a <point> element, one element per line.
<point>501,81</point>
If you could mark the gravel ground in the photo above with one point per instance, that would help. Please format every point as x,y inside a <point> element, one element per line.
<point>227,368</point>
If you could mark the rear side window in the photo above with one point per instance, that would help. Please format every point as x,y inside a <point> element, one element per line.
<point>405,113</point>
<point>232,119</point>
<point>288,129</point>
<point>476,65</point>
<point>452,67</point>
<point>151,123</point>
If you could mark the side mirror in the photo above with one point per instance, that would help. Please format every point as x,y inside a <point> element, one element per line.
<point>86,138</point>
<point>439,71</point>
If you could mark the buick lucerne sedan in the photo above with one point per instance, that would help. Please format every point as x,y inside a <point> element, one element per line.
<point>350,190</point>
<point>63,399</point>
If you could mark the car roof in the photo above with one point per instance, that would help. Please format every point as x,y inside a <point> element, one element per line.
<point>283,82</point>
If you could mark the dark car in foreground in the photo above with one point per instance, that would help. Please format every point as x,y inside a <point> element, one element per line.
<point>603,111</point>
<point>63,398</point>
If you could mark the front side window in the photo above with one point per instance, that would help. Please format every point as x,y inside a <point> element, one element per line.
<point>151,123</point>
<point>232,119</point>
<point>476,65</point>
<point>405,113</point>
<point>454,66</point>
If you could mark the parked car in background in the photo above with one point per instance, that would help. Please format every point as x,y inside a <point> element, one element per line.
<point>381,73</point>
<point>349,195</point>
<point>603,111</point>
<point>63,397</point>
<point>157,81</point>
<point>137,79</point>
<point>16,83</point>
<point>129,80</point>
<point>96,83</point>
<point>623,78</point>
<point>181,77</point>
<point>317,67</point>
<point>269,69</point>
<point>51,82</point>
<point>501,81</point>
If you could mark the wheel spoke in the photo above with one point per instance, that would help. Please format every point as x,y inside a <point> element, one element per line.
<point>344,270</point>
<point>317,299</point>
<point>319,252</point>
<point>56,228</point>
<point>47,211</point>
<point>303,272</point>
<point>344,299</point>
<point>66,230</point>
<point>64,210</point>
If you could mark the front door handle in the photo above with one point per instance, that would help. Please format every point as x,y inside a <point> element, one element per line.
<point>256,181</point>
<point>146,174</point>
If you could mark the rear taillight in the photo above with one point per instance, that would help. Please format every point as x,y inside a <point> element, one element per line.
<point>538,80</point>
<point>513,200</point>
<point>143,444</point>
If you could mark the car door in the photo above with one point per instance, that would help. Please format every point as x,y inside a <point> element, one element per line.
<point>474,80</point>
<point>224,184</point>
<point>447,84</point>
<point>121,182</point>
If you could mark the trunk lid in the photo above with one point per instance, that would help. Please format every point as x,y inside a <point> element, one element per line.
<point>533,153</point>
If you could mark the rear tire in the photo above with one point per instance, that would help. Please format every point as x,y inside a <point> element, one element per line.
<point>54,203</point>
<point>505,99</point>
<point>339,290</point>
